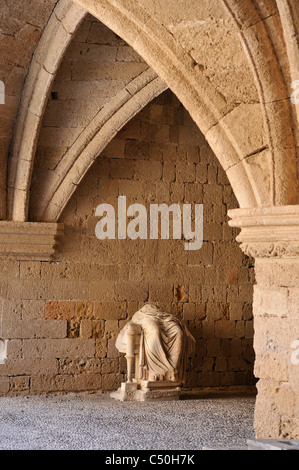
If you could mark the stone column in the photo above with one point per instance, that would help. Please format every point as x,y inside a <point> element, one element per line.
<point>271,236</point>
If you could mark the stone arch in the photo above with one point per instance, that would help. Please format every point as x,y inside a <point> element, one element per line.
<point>157,45</point>
<point>63,23</point>
<point>274,97</point>
<point>100,131</point>
<point>289,17</point>
<point>260,169</point>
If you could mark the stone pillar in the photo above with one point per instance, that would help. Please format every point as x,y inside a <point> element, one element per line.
<point>271,236</point>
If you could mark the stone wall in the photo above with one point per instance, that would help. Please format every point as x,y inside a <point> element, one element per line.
<point>61,317</point>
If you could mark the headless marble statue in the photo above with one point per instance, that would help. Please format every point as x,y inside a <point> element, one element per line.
<point>159,344</point>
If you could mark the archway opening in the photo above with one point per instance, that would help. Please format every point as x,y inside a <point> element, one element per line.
<point>160,157</point>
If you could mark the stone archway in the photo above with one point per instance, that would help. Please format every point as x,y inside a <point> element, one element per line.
<point>255,161</point>
<point>259,158</point>
<point>167,52</point>
<point>81,155</point>
<point>56,37</point>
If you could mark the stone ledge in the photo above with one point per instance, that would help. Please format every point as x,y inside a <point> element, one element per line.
<point>268,232</point>
<point>274,215</point>
<point>29,240</point>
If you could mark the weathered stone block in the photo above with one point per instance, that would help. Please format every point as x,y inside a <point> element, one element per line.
<point>270,301</point>
<point>65,383</point>
<point>22,329</point>
<point>59,348</point>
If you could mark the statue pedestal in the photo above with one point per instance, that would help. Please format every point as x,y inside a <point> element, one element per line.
<point>145,390</point>
<point>126,392</point>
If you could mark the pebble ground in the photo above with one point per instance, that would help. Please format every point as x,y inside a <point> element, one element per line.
<point>97,422</point>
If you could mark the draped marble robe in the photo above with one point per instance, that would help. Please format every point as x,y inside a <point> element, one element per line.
<point>164,344</point>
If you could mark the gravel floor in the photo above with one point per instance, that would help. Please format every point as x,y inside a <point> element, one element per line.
<point>97,422</point>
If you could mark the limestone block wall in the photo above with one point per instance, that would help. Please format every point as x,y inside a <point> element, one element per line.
<point>60,319</point>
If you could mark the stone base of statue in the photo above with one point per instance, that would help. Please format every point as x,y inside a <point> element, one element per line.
<point>126,392</point>
<point>145,390</point>
<point>155,390</point>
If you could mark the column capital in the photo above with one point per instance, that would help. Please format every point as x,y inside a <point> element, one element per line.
<point>268,232</point>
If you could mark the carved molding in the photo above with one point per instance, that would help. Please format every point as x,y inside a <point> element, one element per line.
<point>271,250</point>
<point>29,240</point>
<point>268,232</point>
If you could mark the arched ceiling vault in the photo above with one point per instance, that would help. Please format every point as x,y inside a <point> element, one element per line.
<point>63,23</point>
<point>20,30</point>
<point>289,16</point>
<point>95,137</point>
<point>218,59</point>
